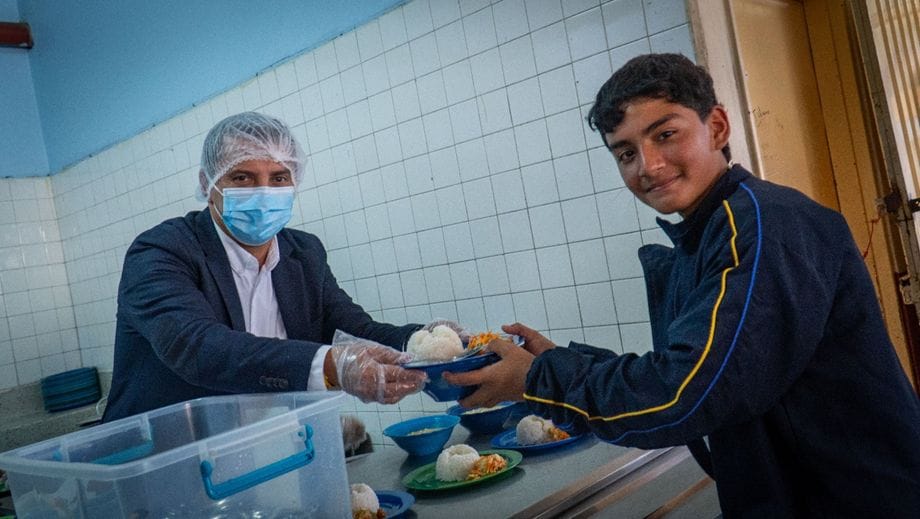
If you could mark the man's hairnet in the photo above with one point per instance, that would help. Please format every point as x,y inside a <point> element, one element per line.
<point>242,137</point>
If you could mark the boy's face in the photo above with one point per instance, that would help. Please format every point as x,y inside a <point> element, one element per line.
<point>667,156</point>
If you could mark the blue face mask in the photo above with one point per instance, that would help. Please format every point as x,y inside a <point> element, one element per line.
<point>254,215</point>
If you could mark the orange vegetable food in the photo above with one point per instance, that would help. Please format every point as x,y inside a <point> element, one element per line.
<point>481,339</point>
<point>486,465</point>
<point>557,434</point>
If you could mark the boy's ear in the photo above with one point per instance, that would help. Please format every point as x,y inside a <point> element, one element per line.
<point>719,127</point>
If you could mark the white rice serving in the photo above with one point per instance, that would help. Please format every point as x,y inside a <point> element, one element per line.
<point>454,463</point>
<point>441,343</point>
<point>532,429</point>
<point>363,497</point>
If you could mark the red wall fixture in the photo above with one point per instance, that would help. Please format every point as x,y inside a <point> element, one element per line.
<point>13,34</point>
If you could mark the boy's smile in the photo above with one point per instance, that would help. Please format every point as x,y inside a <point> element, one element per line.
<point>667,156</point>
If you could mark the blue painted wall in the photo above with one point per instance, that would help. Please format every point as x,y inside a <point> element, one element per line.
<point>22,147</point>
<point>105,70</point>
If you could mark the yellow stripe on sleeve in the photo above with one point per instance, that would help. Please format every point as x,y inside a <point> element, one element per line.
<point>696,367</point>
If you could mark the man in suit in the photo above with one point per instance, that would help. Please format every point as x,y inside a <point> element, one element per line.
<point>229,301</point>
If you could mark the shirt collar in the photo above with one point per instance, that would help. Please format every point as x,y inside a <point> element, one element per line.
<point>687,232</point>
<point>241,260</point>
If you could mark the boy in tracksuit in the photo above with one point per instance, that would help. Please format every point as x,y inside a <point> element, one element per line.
<point>768,339</point>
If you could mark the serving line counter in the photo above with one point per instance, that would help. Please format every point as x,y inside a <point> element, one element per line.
<point>582,479</point>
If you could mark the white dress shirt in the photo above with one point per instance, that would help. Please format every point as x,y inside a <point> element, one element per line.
<point>257,298</point>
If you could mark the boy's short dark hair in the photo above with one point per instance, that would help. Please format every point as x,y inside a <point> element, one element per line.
<point>657,76</point>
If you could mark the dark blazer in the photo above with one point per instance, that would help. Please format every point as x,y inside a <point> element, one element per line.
<point>180,332</point>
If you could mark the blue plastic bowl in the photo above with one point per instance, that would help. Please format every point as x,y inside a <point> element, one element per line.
<point>439,389</point>
<point>425,443</point>
<point>486,422</point>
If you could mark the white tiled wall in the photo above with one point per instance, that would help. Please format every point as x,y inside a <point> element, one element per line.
<point>38,335</point>
<point>451,173</point>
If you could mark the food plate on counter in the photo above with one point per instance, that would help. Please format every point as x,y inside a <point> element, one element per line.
<point>394,502</point>
<point>423,478</point>
<point>508,440</point>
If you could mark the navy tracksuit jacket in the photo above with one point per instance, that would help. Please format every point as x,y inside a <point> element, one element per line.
<point>768,341</point>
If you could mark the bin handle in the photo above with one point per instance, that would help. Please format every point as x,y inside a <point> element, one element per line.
<point>262,474</point>
<point>124,456</point>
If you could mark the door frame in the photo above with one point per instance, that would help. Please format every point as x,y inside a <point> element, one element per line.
<point>888,156</point>
<point>715,42</point>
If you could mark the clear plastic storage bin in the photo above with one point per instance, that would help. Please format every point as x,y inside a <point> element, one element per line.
<point>272,455</point>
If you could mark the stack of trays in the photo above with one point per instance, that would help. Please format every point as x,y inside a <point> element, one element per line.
<point>70,389</point>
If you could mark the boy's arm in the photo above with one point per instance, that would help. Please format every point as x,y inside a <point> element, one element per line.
<point>745,333</point>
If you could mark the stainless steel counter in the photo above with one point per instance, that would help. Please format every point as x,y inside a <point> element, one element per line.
<point>580,479</point>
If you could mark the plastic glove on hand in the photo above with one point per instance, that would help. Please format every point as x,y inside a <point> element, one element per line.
<point>373,373</point>
<point>453,325</point>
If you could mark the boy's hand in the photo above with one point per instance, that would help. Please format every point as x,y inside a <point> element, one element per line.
<point>504,380</point>
<point>533,341</point>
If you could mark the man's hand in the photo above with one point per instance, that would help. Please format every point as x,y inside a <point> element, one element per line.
<point>533,341</point>
<point>372,372</point>
<point>504,380</point>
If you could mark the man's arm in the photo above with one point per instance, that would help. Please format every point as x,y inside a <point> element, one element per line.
<point>161,297</point>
